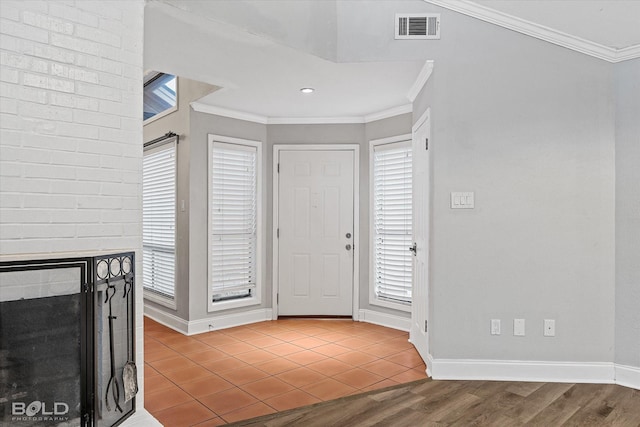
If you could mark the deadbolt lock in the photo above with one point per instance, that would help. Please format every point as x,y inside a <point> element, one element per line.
<point>348,235</point>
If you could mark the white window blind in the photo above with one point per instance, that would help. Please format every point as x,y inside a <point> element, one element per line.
<point>158,219</point>
<point>392,174</point>
<point>233,221</point>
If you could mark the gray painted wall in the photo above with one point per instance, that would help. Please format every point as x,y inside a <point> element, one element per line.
<point>320,134</point>
<point>529,127</point>
<point>178,122</point>
<point>627,75</point>
<point>201,126</point>
<point>393,126</point>
<point>533,129</point>
<point>340,134</point>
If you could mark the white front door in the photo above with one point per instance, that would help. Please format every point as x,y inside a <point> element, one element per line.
<point>421,188</point>
<point>315,221</point>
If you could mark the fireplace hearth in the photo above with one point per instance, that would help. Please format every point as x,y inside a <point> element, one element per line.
<point>66,336</point>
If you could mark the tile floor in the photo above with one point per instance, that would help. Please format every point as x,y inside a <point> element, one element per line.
<point>247,371</point>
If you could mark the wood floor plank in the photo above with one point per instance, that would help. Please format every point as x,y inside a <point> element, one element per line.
<point>597,408</point>
<point>537,401</point>
<point>388,415</point>
<point>410,418</point>
<point>486,389</point>
<point>437,396</point>
<point>567,405</point>
<point>490,410</point>
<point>523,389</point>
<point>627,411</point>
<point>455,407</point>
<point>430,403</point>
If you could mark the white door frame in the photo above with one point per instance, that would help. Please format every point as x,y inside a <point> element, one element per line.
<point>424,348</point>
<point>355,148</point>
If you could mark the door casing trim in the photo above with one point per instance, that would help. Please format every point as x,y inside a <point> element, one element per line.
<point>425,348</point>
<point>355,148</point>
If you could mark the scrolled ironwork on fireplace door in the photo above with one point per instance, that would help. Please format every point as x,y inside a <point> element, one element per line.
<point>67,341</point>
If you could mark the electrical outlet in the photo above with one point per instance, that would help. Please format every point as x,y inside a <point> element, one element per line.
<point>518,327</point>
<point>549,328</point>
<point>495,326</point>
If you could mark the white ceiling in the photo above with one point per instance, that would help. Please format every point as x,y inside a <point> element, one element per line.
<point>263,78</point>
<point>261,52</point>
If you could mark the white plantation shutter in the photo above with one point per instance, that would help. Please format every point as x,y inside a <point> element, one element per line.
<point>233,220</point>
<point>392,174</point>
<point>159,219</point>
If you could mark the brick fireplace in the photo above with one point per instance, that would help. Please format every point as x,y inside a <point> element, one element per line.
<point>66,334</point>
<point>71,142</point>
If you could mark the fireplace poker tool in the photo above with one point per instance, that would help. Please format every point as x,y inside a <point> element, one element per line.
<point>129,371</point>
<point>113,381</point>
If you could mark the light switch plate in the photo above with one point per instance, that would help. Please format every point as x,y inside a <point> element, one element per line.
<point>462,200</point>
<point>518,327</point>
<point>495,326</point>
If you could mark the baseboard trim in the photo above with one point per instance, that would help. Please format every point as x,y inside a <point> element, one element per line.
<point>229,321</point>
<point>384,319</point>
<point>628,376</point>
<point>438,369</point>
<point>516,370</point>
<point>429,363</point>
<point>213,323</point>
<point>141,418</point>
<point>167,319</point>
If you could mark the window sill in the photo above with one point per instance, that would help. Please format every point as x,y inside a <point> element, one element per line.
<point>226,305</point>
<point>389,304</point>
<point>159,299</point>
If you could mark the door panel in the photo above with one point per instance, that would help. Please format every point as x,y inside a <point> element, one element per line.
<point>421,188</point>
<point>315,211</point>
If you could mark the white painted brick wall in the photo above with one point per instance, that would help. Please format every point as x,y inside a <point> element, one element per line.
<point>71,130</point>
<point>71,124</point>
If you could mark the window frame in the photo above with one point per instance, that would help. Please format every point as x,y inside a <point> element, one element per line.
<point>373,298</point>
<point>256,298</point>
<point>148,294</point>
<point>148,78</point>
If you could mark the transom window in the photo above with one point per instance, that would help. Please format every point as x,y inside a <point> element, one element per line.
<point>160,95</point>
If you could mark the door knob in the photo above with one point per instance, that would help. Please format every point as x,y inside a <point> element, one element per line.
<point>348,247</point>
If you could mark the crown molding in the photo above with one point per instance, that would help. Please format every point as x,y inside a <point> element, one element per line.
<point>391,112</point>
<point>627,53</point>
<point>255,118</point>
<point>538,31</point>
<point>225,112</point>
<point>421,80</point>
<point>314,120</point>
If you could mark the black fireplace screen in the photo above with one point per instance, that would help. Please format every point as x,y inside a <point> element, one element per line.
<point>67,345</point>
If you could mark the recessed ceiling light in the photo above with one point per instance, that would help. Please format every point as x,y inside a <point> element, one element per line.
<point>307,90</point>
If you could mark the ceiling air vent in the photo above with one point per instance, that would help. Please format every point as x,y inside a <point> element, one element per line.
<point>417,26</point>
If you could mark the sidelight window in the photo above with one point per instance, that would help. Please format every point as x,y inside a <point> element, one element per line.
<point>234,222</point>
<point>391,221</point>
<point>158,222</point>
